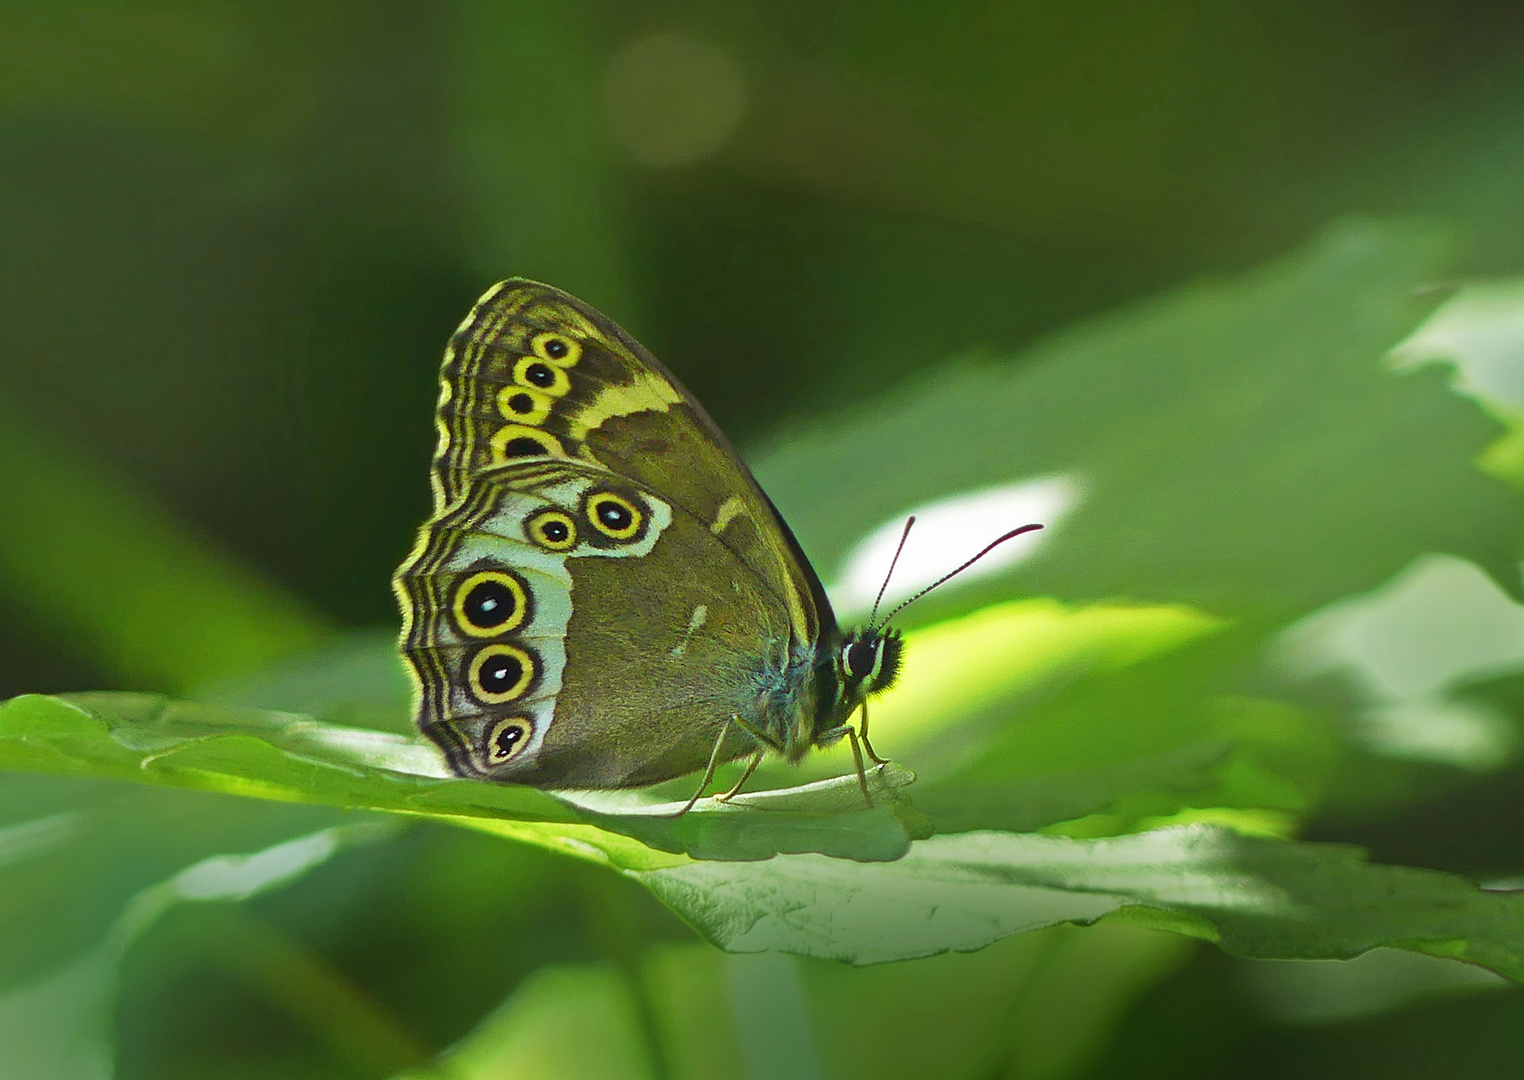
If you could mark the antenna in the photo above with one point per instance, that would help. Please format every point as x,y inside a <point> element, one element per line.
<point>892,562</point>
<point>945,578</point>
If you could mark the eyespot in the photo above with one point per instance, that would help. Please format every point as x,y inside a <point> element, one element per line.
<point>613,515</point>
<point>536,374</point>
<point>523,404</point>
<point>499,673</point>
<point>518,440</point>
<point>507,739</point>
<point>557,348</point>
<point>553,530</point>
<point>489,603</point>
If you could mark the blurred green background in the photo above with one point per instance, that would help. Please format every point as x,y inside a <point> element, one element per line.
<point>233,240</point>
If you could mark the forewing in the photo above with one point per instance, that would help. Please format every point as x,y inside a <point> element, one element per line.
<point>533,371</point>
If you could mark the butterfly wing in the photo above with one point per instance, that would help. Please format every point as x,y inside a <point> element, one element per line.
<point>534,371</point>
<point>541,656</point>
<point>628,654</point>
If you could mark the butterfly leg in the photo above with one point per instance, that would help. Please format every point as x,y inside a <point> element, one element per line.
<point>862,730</point>
<point>714,762</point>
<point>767,741</point>
<point>751,767</point>
<point>862,774</point>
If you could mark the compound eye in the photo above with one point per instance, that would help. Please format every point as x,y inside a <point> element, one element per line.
<point>861,658</point>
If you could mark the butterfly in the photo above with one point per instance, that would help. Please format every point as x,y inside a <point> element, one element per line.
<point>603,596</point>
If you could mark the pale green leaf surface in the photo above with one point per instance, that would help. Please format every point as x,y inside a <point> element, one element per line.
<point>1031,713</point>
<point>58,1026</point>
<point>294,758</point>
<point>960,892</point>
<point>1136,740</point>
<point>1253,897</point>
<point>73,852</point>
<point>1325,992</point>
<point>1020,716</point>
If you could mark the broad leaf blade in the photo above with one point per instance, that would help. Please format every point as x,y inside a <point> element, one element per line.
<point>1258,898</point>
<point>295,758</point>
<point>1244,446</point>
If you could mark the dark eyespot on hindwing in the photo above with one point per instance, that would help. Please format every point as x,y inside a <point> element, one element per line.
<point>489,603</point>
<point>500,673</point>
<point>613,515</point>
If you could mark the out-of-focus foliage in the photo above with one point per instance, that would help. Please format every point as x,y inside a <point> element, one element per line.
<point>905,253</point>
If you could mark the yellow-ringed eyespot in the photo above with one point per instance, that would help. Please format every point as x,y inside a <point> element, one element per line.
<point>523,404</point>
<point>557,348</point>
<point>537,374</point>
<point>613,515</point>
<point>553,530</point>
<point>519,440</point>
<point>499,673</point>
<point>507,739</point>
<point>489,603</point>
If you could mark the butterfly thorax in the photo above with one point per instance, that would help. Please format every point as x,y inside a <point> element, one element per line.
<point>790,702</point>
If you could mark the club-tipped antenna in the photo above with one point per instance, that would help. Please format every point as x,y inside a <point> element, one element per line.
<point>945,578</point>
<point>892,563</point>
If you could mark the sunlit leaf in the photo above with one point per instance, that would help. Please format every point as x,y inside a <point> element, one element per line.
<point>297,759</point>
<point>1253,897</point>
<point>1244,446</point>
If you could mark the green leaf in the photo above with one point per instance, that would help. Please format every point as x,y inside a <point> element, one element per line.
<point>58,1026</point>
<point>1243,446</point>
<point>1253,897</point>
<point>1223,500</point>
<point>73,853</point>
<point>1031,713</point>
<point>294,758</point>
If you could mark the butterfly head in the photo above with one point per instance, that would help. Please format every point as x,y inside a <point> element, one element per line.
<point>869,661</point>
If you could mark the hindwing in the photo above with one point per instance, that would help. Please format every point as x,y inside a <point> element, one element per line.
<point>486,597</point>
<point>542,655</point>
